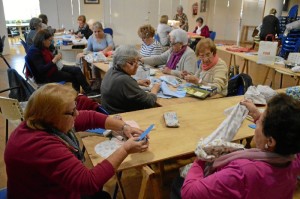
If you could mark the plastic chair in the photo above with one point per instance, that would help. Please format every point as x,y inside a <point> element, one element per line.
<point>3,193</point>
<point>24,44</point>
<point>293,12</point>
<point>212,35</point>
<point>11,110</point>
<point>108,31</point>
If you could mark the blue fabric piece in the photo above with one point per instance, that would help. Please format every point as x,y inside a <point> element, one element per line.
<point>161,95</point>
<point>98,131</point>
<point>170,80</point>
<point>166,91</point>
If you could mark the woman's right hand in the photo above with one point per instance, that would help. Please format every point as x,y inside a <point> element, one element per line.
<point>132,145</point>
<point>155,88</point>
<point>253,111</point>
<point>57,58</point>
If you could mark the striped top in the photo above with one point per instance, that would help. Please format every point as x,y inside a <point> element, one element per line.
<point>153,49</point>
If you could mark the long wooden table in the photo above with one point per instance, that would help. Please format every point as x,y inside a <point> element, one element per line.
<point>160,101</point>
<point>259,71</point>
<point>197,120</point>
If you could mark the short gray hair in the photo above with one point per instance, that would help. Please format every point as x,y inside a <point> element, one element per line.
<point>97,25</point>
<point>35,23</point>
<point>180,36</point>
<point>123,54</point>
<point>179,7</point>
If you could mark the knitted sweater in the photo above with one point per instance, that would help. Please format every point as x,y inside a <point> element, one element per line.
<point>216,76</point>
<point>188,61</point>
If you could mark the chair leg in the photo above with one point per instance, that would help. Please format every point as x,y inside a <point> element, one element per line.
<point>6,134</point>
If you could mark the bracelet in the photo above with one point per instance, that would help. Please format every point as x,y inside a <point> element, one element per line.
<point>123,127</point>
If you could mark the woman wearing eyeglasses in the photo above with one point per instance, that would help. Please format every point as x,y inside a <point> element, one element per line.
<point>43,158</point>
<point>119,91</point>
<point>213,70</point>
<point>150,46</point>
<point>180,57</point>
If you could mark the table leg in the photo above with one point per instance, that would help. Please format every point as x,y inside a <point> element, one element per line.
<point>266,76</point>
<point>148,177</point>
<point>119,185</point>
<point>273,80</point>
<point>245,66</point>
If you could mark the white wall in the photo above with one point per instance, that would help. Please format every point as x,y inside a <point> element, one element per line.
<point>3,29</point>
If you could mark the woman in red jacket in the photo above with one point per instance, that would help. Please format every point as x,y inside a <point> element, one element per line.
<point>43,158</point>
<point>201,29</point>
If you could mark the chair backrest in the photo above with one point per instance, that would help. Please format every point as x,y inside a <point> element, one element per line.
<point>24,44</point>
<point>10,109</point>
<point>3,193</point>
<point>108,31</point>
<point>212,35</point>
<point>293,12</point>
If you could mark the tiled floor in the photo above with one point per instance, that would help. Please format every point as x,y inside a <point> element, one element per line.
<point>131,178</point>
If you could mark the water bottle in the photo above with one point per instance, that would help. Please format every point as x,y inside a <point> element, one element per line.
<point>237,69</point>
<point>231,72</point>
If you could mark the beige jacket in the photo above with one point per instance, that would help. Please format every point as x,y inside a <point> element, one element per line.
<point>216,76</point>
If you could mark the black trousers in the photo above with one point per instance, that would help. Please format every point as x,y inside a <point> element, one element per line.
<point>176,188</point>
<point>72,74</point>
<point>194,44</point>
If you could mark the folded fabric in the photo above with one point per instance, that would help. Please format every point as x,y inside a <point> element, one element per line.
<point>170,80</point>
<point>161,95</point>
<point>239,49</point>
<point>296,69</point>
<point>260,94</point>
<point>256,97</point>
<point>166,91</point>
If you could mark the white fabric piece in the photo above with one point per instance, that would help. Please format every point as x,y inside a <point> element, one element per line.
<point>296,69</point>
<point>218,142</point>
<point>254,94</point>
<point>266,91</point>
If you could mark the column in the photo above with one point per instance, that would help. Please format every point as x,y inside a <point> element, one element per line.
<point>3,29</point>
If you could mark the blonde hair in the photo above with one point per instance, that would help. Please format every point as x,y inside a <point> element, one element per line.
<point>273,11</point>
<point>81,18</point>
<point>206,43</point>
<point>46,104</point>
<point>146,31</point>
<point>164,19</point>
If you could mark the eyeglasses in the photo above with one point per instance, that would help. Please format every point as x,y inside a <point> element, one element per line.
<point>207,55</point>
<point>73,113</point>
<point>133,62</point>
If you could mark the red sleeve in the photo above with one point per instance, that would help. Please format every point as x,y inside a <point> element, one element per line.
<point>205,32</point>
<point>63,168</point>
<point>89,119</point>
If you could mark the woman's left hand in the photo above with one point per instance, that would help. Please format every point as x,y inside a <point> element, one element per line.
<point>131,131</point>
<point>144,82</point>
<point>166,70</point>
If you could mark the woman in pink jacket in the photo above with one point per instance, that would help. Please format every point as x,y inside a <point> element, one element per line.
<point>268,171</point>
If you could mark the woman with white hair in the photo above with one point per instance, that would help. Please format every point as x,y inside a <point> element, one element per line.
<point>178,58</point>
<point>35,25</point>
<point>119,91</point>
<point>182,18</point>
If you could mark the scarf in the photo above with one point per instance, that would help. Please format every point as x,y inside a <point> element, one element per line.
<point>198,31</point>
<point>212,64</point>
<point>69,140</point>
<point>251,154</point>
<point>175,57</point>
<point>47,55</point>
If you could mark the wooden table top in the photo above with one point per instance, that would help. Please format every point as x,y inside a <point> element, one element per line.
<point>254,58</point>
<point>197,119</point>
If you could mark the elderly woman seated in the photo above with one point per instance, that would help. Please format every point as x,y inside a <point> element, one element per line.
<point>268,171</point>
<point>150,46</point>
<point>178,58</point>
<point>119,91</point>
<point>43,158</point>
<point>213,70</point>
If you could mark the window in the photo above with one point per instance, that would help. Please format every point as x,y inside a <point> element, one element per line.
<point>20,10</point>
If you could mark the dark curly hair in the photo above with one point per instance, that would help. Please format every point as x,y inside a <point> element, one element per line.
<point>40,37</point>
<point>282,123</point>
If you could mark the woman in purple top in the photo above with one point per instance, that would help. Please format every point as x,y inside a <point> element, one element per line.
<point>268,171</point>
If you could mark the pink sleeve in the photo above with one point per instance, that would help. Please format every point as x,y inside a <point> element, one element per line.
<point>296,164</point>
<point>225,183</point>
<point>89,119</point>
